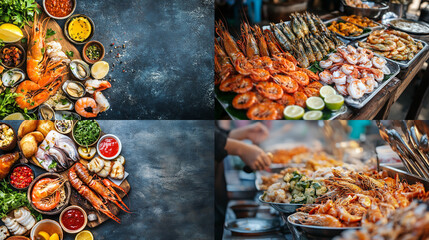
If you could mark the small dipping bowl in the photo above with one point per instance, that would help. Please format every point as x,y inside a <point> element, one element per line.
<point>46,225</point>
<point>66,26</point>
<point>65,123</point>
<point>23,55</point>
<point>245,209</point>
<point>59,18</point>
<point>13,169</point>
<point>109,136</point>
<point>12,144</point>
<point>88,44</point>
<point>85,217</point>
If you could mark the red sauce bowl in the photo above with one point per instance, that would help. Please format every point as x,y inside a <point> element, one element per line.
<point>100,142</point>
<point>12,172</point>
<point>55,17</point>
<point>68,214</point>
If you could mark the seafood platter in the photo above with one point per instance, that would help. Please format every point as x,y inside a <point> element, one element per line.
<point>322,198</point>
<point>266,74</point>
<point>43,75</point>
<point>84,181</point>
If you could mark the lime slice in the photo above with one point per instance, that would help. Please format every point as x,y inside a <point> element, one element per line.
<point>334,102</point>
<point>293,112</point>
<point>14,116</point>
<point>10,33</point>
<point>313,115</point>
<point>326,91</point>
<point>315,103</point>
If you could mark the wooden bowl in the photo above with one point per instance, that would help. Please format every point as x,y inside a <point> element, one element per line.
<point>49,226</point>
<point>49,175</point>
<point>24,56</point>
<point>85,217</point>
<point>90,43</point>
<point>59,18</point>
<point>12,144</point>
<point>17,238</point>
<point>96,141</point>
<point>66,26</point>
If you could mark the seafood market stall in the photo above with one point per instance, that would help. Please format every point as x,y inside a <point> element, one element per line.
<point>67,179</point>
<point>335,187</point>
<point>311,67</point>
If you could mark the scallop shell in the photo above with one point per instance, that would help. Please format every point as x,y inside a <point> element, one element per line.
<point>64,87</point>
<point>80,70</point>
<point>46,108</point>
<point>8,76</point>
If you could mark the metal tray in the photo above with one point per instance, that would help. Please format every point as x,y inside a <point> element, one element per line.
<point>282,207</point>
<point>304,232</point>
<point>387,22</point>
<point>393,169</point>
<point>403,64</point>
<point>338,19</point>
<point>361,102</point>
<point>379,25</point>
<point>252,226</point>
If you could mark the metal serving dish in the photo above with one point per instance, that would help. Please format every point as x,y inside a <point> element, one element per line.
<point>373,13</point>
<point>339,19</point>
<point>389,22</point>
<point>282,207</point>
<point>252,226</point>
<point>399,168</point>
<point>244,208</point>
<point>300,231</point>
<point>359,103</point>
<point>403,64</point>
<point>379,25</point>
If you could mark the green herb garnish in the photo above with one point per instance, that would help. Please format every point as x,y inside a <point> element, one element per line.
<point>50,33</point>
<point>70,53</point>
<point>86,132</point>
<point>18,12</point>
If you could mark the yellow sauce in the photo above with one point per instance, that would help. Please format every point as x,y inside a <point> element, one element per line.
<point>79,29</point>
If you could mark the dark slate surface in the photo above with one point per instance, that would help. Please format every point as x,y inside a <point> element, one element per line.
<point>171,177</point>
<point>168,57</point>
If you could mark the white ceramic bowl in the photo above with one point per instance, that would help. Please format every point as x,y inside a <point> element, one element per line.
<point>107,136</point>
<point>84,216</point>
<point>43,225</point>
<point>60,18</point>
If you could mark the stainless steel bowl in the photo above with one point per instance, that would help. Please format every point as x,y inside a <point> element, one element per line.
<point>374,13</point>
<point>282,207</point>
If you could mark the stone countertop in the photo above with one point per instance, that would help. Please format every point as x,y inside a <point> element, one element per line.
<point>165,70</point>
<point>171,176</point>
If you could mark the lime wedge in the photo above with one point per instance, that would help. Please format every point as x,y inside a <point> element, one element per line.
<point>315,103</point>
<point>313,115</point>
<point>334,102</point>
<point>293,112</point>
<point>326,91</point>
<point>14,116</point>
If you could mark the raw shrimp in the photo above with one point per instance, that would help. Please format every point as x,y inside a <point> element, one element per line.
<point>94,85</point>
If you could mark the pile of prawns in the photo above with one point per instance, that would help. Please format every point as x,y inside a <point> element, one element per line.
<point>265,77</point>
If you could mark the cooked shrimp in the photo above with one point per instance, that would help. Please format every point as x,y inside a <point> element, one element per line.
<point>378,62</point>
<point>93,85</point>
<point>369,83</point>
<point>244,100</point>
<point>102,102</point>
<point>326,77</point>
<point>356,89</point>
<point>336,58</point>
<point>86,107</point>
<point>338,77</point>
<point>325,63</point>
<point>347,69</point>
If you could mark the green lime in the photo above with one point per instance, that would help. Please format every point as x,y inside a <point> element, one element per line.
<point>326,91</point>
<point>334,102</point>
<point>313,115</point>
<point>315,103</point>
<point>293,112</point>
<point>14,116</point>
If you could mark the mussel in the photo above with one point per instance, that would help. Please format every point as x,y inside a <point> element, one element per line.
<point>13,77</point>
<point>45,112</point>
<point>74,89</point>
<point>80,69</point>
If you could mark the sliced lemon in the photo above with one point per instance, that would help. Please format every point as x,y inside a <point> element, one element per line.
<point>45,235</point>
<point>87,153</point>
<point>334,102</point>
<point>313,115</point>
<point>326,91</point>
<point>10,33</point>
<point>315,103</point>
<point>54,237</point>
<point>293,112</point>
<point>14,116</point>
<point>100,69</point>
<point>84,235</point>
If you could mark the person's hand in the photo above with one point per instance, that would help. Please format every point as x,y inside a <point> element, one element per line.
<point>254,157</point>
<point>256,132</point>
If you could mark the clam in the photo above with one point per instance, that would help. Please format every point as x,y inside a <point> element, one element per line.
<point>45,112</point>
<point>74,89</point>
<point>13,77</point>
<point>66,115</point>
<point>80,69</point>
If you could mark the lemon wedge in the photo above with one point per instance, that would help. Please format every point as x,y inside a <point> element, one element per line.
<point>84,235</point>
<point>100,69</point>
<point>54,237</point>
<point>45,235</point>
<point>14,116</point>
<point>10,33</point>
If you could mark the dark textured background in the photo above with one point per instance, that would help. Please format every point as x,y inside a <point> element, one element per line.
<point>171,177</point>
<point>168,57</point>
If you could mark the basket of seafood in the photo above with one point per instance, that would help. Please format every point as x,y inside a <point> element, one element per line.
<point>346,29</point>
<point>395,45</point>
<point>367,9</point>
<point>357,74</point>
